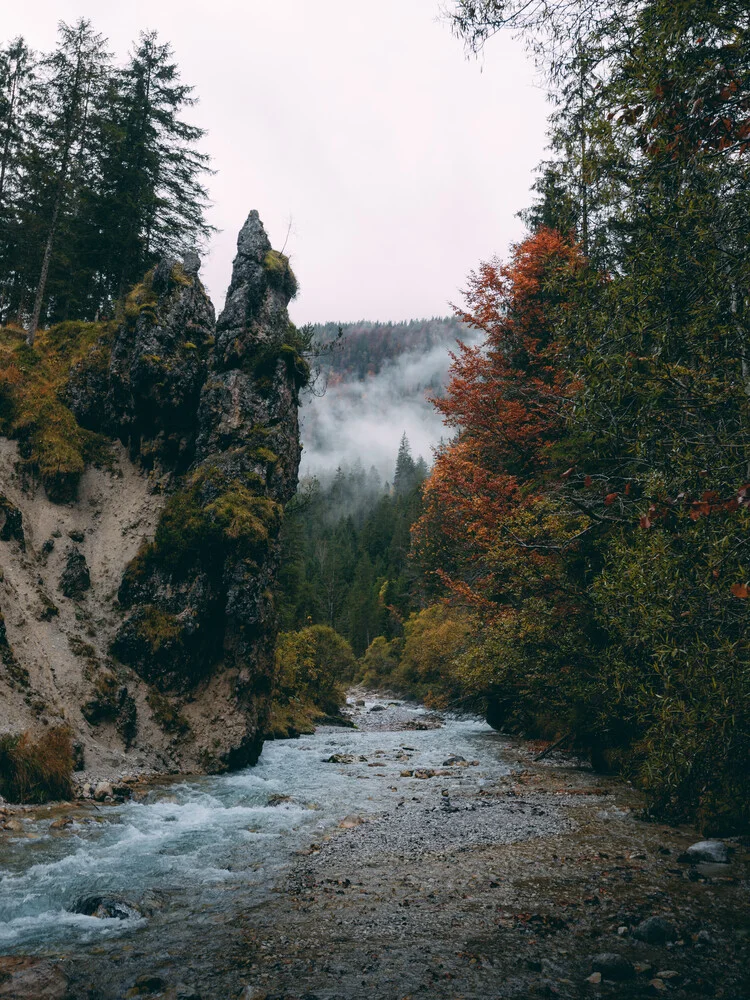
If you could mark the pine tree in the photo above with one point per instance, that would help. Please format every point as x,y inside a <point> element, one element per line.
<point>72,97</point>
<point>403,477</point>
<point>16,96</point>
<point>152,201</point>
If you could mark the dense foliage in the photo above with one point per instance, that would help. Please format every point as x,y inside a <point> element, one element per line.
<point>312,666</point>
<point>100,174</point>
<point>584,540</point>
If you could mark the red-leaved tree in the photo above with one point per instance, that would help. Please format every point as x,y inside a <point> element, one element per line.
<point>507,400</point>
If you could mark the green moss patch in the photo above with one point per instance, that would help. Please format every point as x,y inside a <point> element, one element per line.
<point>33,382</point>
<point>279,273</point>
<point>213,516</point>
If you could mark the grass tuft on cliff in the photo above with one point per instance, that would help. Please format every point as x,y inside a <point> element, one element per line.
<point>279,273</point>
<point>33,381</point>
<point>38,770</point>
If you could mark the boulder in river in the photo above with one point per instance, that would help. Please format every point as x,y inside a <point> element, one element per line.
<point>706,850</point>
<point>613,966</point>
<point>107,907</point>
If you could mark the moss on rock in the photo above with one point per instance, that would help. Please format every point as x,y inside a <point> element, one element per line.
<point>279,273</point>
<point>33,384</point>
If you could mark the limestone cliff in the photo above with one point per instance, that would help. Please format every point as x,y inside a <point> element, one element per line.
<point>136,586</point>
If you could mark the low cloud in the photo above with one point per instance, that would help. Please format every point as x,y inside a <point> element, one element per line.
<point>364,420</point>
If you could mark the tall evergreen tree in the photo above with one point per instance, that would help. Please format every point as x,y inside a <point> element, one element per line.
<point>403,477</point>
<point>152,200</point>
<point>64,130</point>
<point>16,98</point>
<point>100,175</point>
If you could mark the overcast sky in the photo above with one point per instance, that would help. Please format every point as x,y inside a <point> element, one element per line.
<point>399,163</point>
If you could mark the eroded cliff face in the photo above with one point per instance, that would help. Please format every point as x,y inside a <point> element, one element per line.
<point>141,612</point>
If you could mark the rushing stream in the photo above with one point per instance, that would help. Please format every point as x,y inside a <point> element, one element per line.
<point>190,850</point>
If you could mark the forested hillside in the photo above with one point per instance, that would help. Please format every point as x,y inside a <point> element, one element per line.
<point>375,383</point>
<point>362,349</point>
<point>346,545</point>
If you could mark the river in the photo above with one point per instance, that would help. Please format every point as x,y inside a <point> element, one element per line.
<point>201,848</point>
<point>432,856</point>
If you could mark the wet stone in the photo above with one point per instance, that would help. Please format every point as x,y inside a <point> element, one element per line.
<point>149,983</point>
<point>707,850</point>
<point>613,966</point>
<point>655,930</point>
<point>107,908</point>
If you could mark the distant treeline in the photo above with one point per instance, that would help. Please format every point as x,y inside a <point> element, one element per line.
<point>364,348</point>
<point>100,175</point>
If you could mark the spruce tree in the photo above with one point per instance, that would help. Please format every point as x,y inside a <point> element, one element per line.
<point>153,200</point>
<point>64,128</point>
<point>16,97</point>
<point>403,477</point>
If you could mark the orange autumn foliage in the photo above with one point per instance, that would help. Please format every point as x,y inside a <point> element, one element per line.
<point>507,400</point>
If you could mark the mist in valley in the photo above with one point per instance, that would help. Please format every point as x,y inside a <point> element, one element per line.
<point>361,420</point>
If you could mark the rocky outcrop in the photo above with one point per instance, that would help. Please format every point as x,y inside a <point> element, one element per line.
<point>143,383</point>
<point>200,594</point>
<point>170,628</point>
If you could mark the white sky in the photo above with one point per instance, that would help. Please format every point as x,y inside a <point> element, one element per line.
<point>400,164</point>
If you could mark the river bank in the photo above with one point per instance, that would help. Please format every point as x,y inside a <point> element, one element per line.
<point>413,856</point>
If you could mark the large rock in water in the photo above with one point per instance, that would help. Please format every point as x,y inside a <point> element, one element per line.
<point>201,594</point>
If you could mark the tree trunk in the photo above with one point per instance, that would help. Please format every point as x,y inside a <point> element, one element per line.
<point>8,133</point>
<point>41,286</point>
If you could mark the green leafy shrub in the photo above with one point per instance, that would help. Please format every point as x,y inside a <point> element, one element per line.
<point>312,667</point>
<point>379,662</point>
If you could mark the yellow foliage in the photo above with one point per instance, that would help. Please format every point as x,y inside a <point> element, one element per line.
<point>32,387</point>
